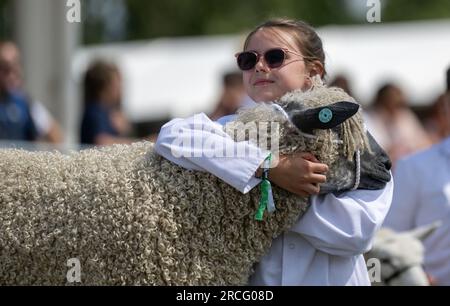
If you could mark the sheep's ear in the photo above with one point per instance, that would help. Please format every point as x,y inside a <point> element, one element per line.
<point>325,117</point>
<point>424,231</point>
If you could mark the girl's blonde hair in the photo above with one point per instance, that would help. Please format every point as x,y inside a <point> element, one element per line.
<point>305,37</point>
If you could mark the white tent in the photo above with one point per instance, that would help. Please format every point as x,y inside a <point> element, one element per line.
<point>179,76</point>
<point>414,55</point>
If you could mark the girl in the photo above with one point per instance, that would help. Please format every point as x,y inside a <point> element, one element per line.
<point>325,246</point>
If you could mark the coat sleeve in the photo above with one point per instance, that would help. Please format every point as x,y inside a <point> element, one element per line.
<point>344,225</point>
<point>405,202</point>
<point>197,143</point>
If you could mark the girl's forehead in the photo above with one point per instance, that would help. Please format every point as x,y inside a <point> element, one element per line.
<point>267,38</point>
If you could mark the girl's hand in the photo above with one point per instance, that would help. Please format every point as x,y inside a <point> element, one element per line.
<point>299,173</point>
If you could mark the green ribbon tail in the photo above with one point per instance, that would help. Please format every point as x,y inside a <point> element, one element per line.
<point>265,186</point>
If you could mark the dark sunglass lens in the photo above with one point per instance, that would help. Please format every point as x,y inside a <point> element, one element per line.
<point>246,60</point>
<point>274,58</point>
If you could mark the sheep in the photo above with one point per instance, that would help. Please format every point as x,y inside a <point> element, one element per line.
<point>132,217</point>
<point>401,256</point>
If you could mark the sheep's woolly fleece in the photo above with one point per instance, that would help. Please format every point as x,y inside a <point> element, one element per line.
<point>131,217</point>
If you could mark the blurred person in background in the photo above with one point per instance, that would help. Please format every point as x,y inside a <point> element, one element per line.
<point>342,81</point>
<point>232,97</point>
<point>16,122</point>
<point>438,123</point>
<point>422,196</point>
<point>104,122</point>
<point>35,121</point>
<point>394,125</point>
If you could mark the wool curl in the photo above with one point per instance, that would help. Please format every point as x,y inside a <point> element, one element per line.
<point>132,217</point>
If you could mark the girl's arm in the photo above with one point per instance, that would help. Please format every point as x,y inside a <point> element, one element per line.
<point>345,225</point>
<point>198,143</point>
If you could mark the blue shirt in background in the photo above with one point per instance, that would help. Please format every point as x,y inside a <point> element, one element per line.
<point>96,121</point>
<point>15,118</point>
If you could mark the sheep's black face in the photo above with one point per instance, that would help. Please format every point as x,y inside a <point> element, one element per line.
<point>325,117</point>
<point>374,164</point>
<point>339,138</point>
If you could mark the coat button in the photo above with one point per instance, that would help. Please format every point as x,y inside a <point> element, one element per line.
<point>292,246</point>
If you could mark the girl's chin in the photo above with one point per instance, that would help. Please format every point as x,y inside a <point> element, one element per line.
<point>267,97</point>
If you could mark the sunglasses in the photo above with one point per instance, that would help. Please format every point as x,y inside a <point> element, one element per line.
<point>274,58</point>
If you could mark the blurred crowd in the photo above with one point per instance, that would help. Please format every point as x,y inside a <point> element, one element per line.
<point>390,119</point>
<point>398,129</point>
<point>24,119</point>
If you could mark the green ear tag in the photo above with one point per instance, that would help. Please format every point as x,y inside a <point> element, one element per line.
<point>325,115</point>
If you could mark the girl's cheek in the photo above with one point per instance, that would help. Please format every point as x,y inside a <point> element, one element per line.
<point>246,79</point>
<point>294,82</point>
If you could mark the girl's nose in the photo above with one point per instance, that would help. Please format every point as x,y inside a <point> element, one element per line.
<point>261,65</point>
